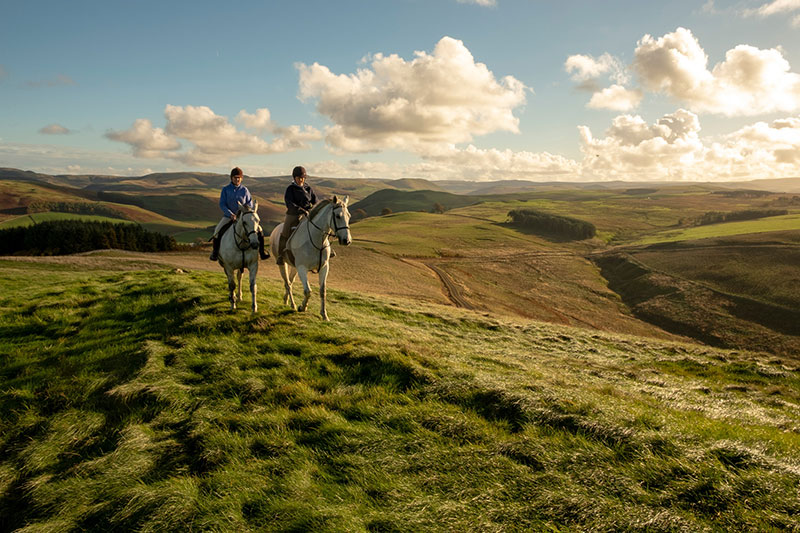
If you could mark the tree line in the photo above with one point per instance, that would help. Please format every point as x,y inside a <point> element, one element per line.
<point>715,217</point>
<point>558,225</point>
<point>60,237</point>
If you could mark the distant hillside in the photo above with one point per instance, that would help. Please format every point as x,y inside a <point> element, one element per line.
<point>399,201</point>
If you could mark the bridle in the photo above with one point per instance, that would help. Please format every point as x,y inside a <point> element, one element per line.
<point>325,234</point>
<point>243,238</point>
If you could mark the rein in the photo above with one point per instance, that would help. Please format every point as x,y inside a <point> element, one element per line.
<point>325,234</point>
<point>242,239</point>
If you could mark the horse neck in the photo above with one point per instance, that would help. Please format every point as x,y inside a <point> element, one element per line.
<point>322,220</point>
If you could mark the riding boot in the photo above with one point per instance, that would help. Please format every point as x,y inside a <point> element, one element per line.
<point>261,252</point>
<point>215,250</point>
<point>281,249</point>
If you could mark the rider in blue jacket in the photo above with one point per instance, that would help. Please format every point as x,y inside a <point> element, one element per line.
<point>232,194</point>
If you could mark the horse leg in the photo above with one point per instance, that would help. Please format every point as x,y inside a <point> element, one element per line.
<point>303,273</point>
<point>253,286</point>
<point>323,290</point>
<point>239,273</point>
<point>288,299</point>
<point>231,286</point>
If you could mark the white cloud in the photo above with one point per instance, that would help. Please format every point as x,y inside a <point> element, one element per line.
<point>146,141</point>
<point>774,8</point>
<point>213,138</point>
<point>54,129</point>
<point>585,68</point>
<point>439,98</point>
<point>260,121</point>
<point>470,163</point>
<point>616,98</point>
<point>671,149</point>
<point>633,149</point>
<point>750,81</point>
<point>485,3</point>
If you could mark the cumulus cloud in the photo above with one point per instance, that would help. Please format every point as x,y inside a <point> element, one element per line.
<point>485,3</point>
<point>54,129</point>
<point>439,98</point>
<point>584,68</point>
<point>616,98</point>
<point>213,139</point>
<point>634,148</point>
<point>671,149</point>
<point>750,81</point>
<point>146,141</point>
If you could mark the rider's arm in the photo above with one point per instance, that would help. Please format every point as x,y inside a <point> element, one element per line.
<point>223,203</point>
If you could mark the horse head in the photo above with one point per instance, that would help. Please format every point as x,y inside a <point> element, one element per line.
<point>248,226</point>
<point>340,220</point>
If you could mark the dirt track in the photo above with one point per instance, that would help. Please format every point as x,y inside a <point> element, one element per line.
<point>454,292</point>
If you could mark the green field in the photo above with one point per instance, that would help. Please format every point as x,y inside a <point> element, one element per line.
<point>136,401</point>
<point>35,218</point>
<point>779,223</point>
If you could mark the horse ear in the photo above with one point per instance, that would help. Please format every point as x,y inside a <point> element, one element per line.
<point>345,200</point>
<point>255,206</point>
<point>335,200</point>
<point>240,204</point>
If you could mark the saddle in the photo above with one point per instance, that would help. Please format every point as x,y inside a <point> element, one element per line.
<point>222,230</point>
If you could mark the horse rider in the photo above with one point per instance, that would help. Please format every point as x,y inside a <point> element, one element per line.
<point>299,199</point>
<point>232,194</point>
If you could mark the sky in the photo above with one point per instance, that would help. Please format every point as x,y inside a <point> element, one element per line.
<point>476,90</point>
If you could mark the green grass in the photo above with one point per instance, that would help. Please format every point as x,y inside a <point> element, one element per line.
<point>136,401</point>
<point>32,218</point>
<point>780,223</point>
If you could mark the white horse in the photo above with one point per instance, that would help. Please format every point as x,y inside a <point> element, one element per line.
<point>238,249</point>
<point>310,248</point>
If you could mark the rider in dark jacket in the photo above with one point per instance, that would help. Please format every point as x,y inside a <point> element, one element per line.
<point>299,199</point>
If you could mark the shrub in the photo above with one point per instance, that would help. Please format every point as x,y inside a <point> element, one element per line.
<point>715,217</point>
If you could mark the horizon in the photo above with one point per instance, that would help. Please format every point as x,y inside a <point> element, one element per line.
<point>482,90</point>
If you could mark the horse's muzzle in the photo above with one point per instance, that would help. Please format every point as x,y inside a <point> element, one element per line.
<point>344,242</point>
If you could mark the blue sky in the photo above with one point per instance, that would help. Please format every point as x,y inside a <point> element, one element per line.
<point>438,89</point>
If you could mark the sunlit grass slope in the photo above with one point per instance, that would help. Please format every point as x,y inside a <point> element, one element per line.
<point>135,401</point>
<point>35,218</point>
<point>779,223</point>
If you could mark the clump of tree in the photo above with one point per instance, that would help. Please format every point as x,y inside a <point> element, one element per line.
<point>386,211</point>
<point>438,208</point>
<point>716,217</point>
<point>78,208</point>
<point>358,214</point>
<point>557,225</point>
<point>61,237</point>
<point>743,193</point>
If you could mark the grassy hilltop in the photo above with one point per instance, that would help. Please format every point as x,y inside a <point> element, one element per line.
<point>135,401</point>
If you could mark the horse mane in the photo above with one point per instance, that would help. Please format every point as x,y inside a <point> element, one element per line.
<point>317,208</point>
